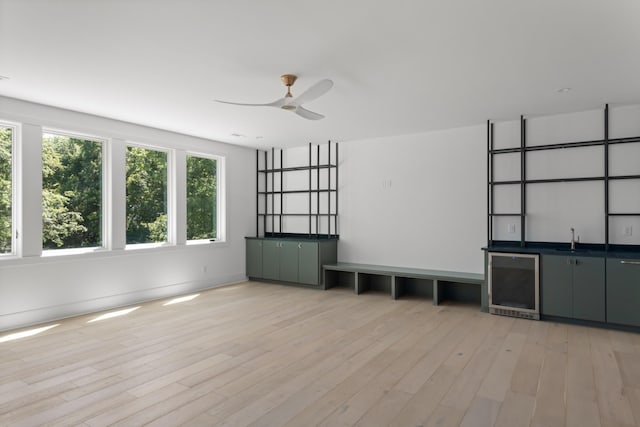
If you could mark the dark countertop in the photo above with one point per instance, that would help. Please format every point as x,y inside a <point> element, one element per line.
<point>297,237</point>
<point>555,248</point>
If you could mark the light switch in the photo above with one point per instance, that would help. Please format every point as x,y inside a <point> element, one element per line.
<point>511,228</point>
<point>627,231</point>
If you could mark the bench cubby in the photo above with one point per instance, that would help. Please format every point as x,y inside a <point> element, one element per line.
<point>439,285</point>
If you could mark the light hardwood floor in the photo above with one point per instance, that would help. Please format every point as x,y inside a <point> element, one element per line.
<point>269,355</point>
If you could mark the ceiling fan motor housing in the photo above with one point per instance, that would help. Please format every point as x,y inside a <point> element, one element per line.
<point>288,79</point>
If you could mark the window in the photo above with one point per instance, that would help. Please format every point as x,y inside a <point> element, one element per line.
<point>146,195</point>
<point>6,189</point>
<point>71,192</point>
<point>202,206</point>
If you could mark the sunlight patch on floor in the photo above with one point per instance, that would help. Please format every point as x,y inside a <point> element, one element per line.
<point>181,299</point>
<point>112,314</point>
<point>27,333</point>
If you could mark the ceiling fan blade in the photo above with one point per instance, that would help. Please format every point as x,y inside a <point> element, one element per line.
<point>315,91</point>
<point>278,103</point>
<point>310,115</point>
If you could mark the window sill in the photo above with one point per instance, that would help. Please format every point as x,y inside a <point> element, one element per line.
<point>137,246</point>
<point>205,242</point>
<point>72,251</point>
<point>74,255</point>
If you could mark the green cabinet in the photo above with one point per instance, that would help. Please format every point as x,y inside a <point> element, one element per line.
<point>623,291</point>
<point>290,261</point>
<point>270,260</point>
<point>254,258</point>
<point>573,287</point>
<point>556,286</point>
<point>589,289</point>
<point>307,266</point>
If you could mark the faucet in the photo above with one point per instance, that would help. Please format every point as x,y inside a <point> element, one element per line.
<point>574,240</point>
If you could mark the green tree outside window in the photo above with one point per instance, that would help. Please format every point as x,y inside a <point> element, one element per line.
<point>146,195</point>
<point>201,198</point>
<point>71,192</point>
<point>6,139</point>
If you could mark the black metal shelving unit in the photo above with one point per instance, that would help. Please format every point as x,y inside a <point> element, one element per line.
<point>523,149</point>
<point>272,218</point>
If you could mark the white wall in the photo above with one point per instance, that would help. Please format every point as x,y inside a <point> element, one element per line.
<point>415,201</point>
<point>554,208</point>
<point>36,289</point>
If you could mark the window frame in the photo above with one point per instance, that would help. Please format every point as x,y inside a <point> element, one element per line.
<point>104,189</point>
<point>15,188</point>
<point>171,203</point>
<point>221,208</point>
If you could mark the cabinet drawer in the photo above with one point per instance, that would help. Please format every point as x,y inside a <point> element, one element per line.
<point>623,291</point>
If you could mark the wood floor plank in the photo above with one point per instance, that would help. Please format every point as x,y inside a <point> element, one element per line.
<point>498,380</point>
<point>550,399</point>
<point>269,355</point>
<point>444,342</point>
<point>315,391</point>
<point>633,394</point>
<point>629,365</point>
<point>483,412</point>
<point>268,403</point>
<point>582,407</point>
<point>464,389</point>
<point>526,374</point>
<point>425,401</point>
<point>351,384</point>
<point>613,403</point>
<point>445,416</point>
<point>133,405</point>
<point>516,410</point>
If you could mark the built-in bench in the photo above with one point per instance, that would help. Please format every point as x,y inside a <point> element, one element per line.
<point>397,280</point>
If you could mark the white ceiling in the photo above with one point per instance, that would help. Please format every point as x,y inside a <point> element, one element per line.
<point>399,67</point>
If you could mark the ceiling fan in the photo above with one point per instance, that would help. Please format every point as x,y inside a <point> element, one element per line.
<point>288,102</point>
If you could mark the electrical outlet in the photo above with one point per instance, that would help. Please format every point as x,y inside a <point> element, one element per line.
<point>627,231</point>
<point>511,228</point>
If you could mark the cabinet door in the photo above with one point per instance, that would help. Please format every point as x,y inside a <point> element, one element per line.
<point>623,291</point>
<point>588,289</point>
<point>555,286</point>
<point>271,259</point>
<point>289,261</point>
<point>254,258</point>
<point>309,270</point>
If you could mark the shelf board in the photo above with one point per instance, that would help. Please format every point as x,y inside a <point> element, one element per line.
<point>505,150</point>
<point>506,182</point>
<point>297,214</point>
<point>624,214</point>
<point>297,168</point>
<point>550,180</point>
<point>561,145</point>
<point>624,140</point>
<point>506,214</point>
<point>297,191</point>
<point>625,177</point>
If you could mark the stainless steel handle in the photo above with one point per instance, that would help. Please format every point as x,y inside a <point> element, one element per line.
<point>299,245</point>
<point>630,262</point>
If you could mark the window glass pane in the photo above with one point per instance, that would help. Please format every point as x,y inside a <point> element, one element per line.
<point>71,192</point>
<point>146,195</point>
<point>201,198</point>
<point>6,229</point>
